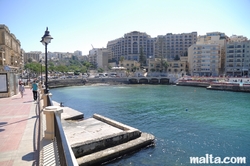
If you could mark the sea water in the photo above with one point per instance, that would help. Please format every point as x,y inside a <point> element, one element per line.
<point>186,121</point>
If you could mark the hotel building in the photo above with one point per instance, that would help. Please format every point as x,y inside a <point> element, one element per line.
<point>131,45</point>
<point>177,44</point>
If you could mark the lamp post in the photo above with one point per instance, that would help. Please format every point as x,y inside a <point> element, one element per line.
<point>41,71</point>
<point>46,40</point>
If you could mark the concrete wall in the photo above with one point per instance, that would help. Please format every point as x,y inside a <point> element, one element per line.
<point>95,145</point>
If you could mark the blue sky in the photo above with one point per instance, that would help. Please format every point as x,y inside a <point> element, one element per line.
<point>76,24</point>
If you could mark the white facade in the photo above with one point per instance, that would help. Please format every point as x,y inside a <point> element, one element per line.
<point>204,59</point>
<point>207,56</point>
<point>99,57</point>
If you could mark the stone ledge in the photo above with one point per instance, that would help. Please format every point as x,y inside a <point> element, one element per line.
<point>116,151</point>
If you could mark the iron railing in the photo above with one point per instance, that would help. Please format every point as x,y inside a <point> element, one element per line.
<point>66,156</point>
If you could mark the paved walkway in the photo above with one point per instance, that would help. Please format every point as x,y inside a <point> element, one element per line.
<point>18,130</point>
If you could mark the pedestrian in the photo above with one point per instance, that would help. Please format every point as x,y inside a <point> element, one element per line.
<point>34,89</point>
<point>21,89</point>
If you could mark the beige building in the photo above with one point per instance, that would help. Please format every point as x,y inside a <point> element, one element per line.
<point>33,55</point>
<point>131,45</point>
<point>160,47</point>
<point>177,44</point>
<point>207,56</point>
<point>178,66</point>
<point>10,62</point>
<point>155,65</point>
<point>99,57</point>
<point>130,65</point>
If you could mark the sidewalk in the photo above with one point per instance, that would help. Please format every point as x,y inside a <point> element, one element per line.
<point>18,130</point>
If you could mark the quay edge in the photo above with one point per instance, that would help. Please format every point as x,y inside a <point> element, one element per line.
<point>99,139</point>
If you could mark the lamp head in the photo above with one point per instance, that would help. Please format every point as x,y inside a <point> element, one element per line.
<point>46,39</point>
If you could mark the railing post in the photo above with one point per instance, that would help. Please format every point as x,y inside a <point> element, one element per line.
<point>45,99</point>
<point>50,112</point>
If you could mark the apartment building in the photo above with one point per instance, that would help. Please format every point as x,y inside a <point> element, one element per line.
<point>177,44</point>
<point>33,55</point>
<point>207,56</point>
<point>131,45</point>
<point>99,57</point>
<point>160,47</point>
<point>238,57</point>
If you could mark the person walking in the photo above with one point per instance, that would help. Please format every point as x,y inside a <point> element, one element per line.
<point>21,89</point>
<point>34,89</point>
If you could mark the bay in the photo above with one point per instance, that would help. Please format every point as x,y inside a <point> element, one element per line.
<point>186,121</point>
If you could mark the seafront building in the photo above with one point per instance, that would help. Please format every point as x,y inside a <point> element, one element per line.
<point>178,66</point>
<point>238,57</point>
<point>131,45</point>
<point>169,47</point>
<point>11,61</point>
<point>177,44</point>
<point>207,56</point>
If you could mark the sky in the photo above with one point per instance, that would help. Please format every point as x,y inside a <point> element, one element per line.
<point>79,24</point>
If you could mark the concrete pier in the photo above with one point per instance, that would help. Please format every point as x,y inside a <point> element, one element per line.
<point>99,139</point>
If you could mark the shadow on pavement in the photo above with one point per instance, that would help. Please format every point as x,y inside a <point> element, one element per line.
<point>17,121</point>
<point>28,101</point>
<point>28,157</point>
<point>2,123</point>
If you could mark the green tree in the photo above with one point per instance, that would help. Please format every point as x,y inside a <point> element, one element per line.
<point>100,70</point>
<point>88,65</point>
<point>33,67</point>
<point>165,65</point>
<point>61,68</point>
<point>51,66</point>
<point>121,60</point>
<point>30,60</point>
<point>83,69</point>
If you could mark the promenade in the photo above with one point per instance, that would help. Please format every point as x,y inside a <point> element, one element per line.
<point>18,130</point>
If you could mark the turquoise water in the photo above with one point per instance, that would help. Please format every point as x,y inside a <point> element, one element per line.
<point>186,121</point>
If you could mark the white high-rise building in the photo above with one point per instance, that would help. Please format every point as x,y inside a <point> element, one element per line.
<point>207,56</point>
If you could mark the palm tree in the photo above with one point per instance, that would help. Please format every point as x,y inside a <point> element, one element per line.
<point>165,65</point>
<point>121,59</point>
<point>142,58</point>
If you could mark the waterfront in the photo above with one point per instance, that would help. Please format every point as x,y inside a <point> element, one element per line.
<point>186,121</point>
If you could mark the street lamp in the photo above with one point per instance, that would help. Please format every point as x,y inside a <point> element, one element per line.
<point>46,40</point>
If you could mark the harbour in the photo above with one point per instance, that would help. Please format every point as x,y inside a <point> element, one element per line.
<point>186,121</point>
